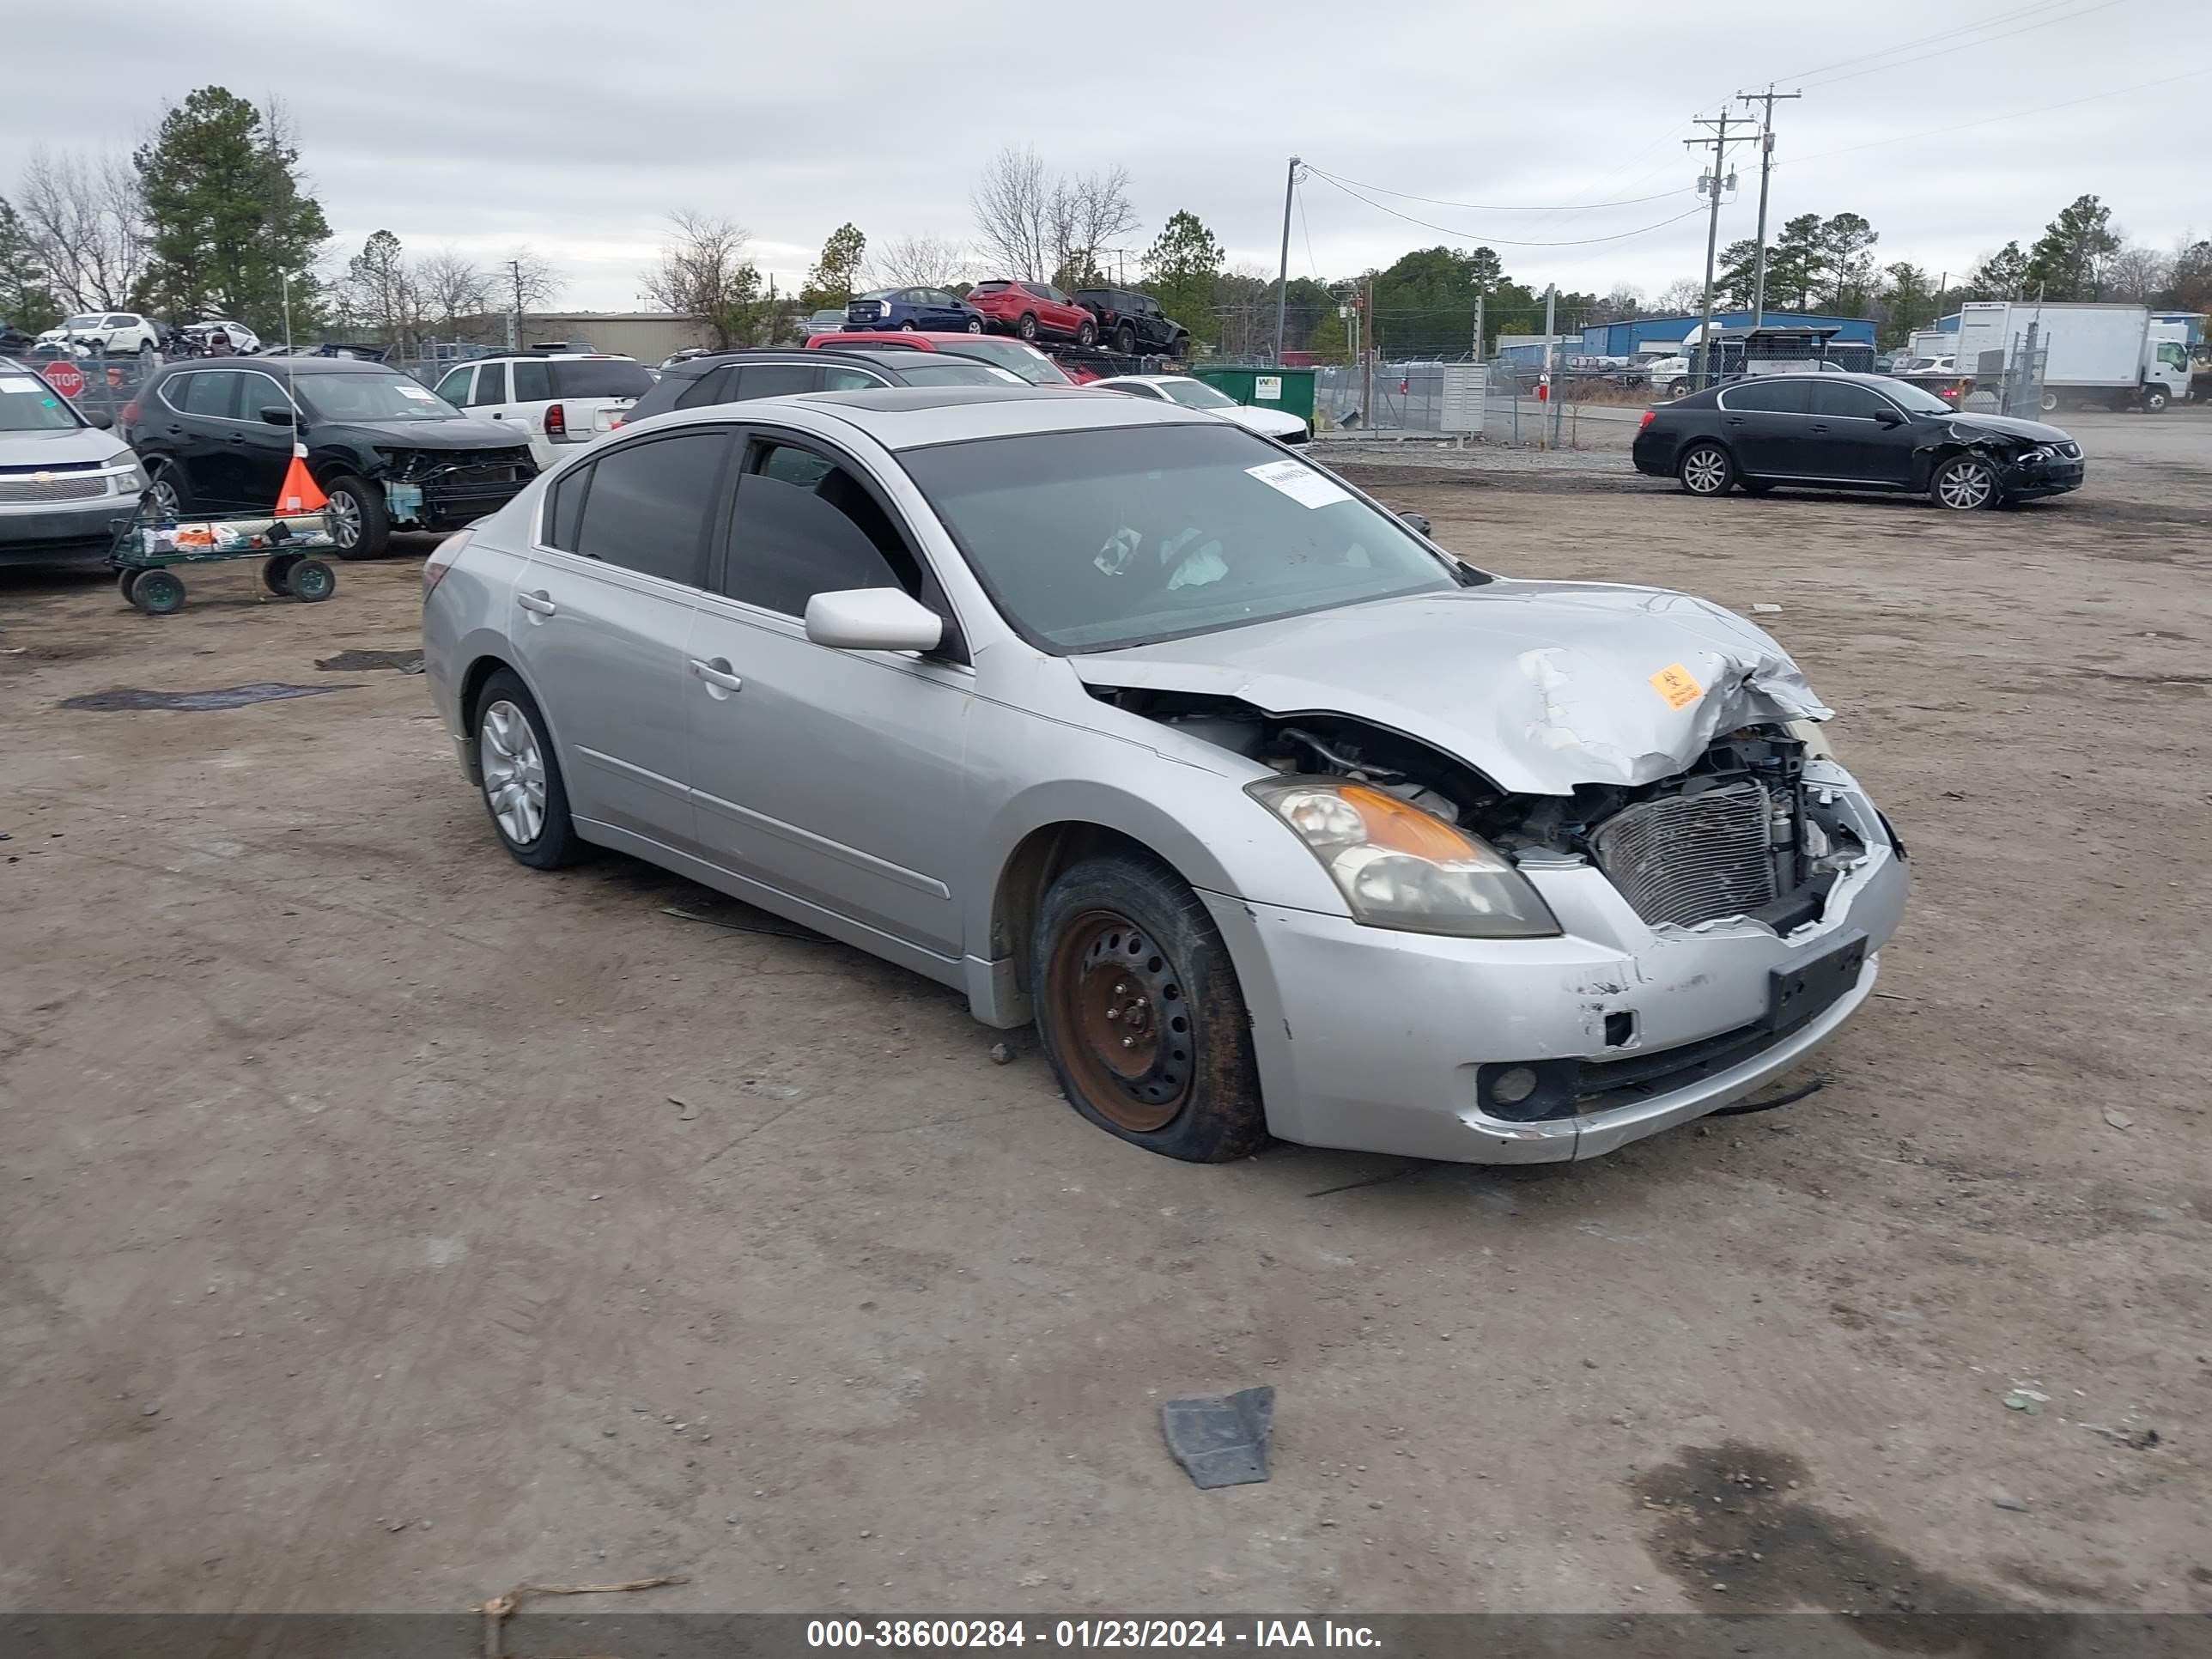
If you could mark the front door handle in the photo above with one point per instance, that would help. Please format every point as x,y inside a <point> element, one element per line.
<point>1820,426</point>
<point>717,675</point>
<point>536,602</point>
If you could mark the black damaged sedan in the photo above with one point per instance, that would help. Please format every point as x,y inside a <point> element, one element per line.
<point>1852,432</point>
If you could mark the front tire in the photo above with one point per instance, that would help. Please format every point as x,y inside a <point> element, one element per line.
<point>975,324</point>
<point>310,581</point>
<point>1965,483</point>
<point>359,523</point>
<point>2154,399</point>
<point>523,790</point>
<point>1140,1013</point>
<point>1706,470</point>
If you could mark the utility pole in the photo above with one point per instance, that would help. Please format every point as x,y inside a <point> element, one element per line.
<point>1769,97</point>
<point>1551,389</point>
<point>1283,270</point>
<point>1713,183</point>
<point>1367,348</point>
<point>514,317</point>
<point>1477,355</point>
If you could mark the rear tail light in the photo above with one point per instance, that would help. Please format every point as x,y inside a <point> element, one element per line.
<point>441,559</point>
<point>619,420</point>
<point>556,421</point>
<point>1649,415</point>
<point>130,413</point>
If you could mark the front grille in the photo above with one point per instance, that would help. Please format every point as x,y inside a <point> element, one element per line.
<point>22,491</point>
<point>1690,858</point>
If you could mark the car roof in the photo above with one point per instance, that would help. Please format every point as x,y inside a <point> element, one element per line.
<point>1146,380</point>
<point>696,366</point>
<point>281,364</point>
<point>913,417</point>
<point>549,356</point>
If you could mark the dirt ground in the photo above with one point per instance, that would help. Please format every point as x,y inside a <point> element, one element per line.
<point>382,1223</point>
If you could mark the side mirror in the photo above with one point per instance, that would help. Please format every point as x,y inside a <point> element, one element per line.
<point>101,419</point>
<point>1416,522</point>
<point>1887,417</point>
<point>872,619</point>
<point>276,414</point>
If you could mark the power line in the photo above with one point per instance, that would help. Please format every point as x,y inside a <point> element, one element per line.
<point>1963,45</point>
<point>1507,241</point>
<point>1926,40</point>
<point>1991,120</point>
<point>1488,207</point>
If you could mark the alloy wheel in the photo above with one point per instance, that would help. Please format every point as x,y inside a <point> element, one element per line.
<point>1123,1023</point>
<point>1704,473</point>
<point>513,772</point>
<point>162,495</point>
<point>1967,486</point>
<point>345,520</point>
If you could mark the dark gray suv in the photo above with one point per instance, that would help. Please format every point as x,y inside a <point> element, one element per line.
<point>1131,323</point>
<point>736,377</point>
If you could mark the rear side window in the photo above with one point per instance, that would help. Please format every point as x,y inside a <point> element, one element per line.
<point>712,387</point>
<point>491,384</point>
<point>564,509</point>
<point>534,383</point>
<point>804,526</point>
<point>648,506</point>
<point>849,379</point>
<point>775,379</point>
<point>212,392</point>
<point>591,378</point>
<point>1770,397</point>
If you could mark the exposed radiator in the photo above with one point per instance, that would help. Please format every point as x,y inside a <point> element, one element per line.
<point>1691,858</point>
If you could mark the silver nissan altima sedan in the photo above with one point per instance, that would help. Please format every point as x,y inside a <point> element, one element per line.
<point>1273,816</point>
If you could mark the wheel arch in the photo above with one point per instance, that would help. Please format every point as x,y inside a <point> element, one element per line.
<point>482,665</point>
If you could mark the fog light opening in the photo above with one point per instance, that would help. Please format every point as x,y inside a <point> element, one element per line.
<point>1619,1030</point>
<point>1512,1086</point>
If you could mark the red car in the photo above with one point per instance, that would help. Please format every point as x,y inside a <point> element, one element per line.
<point>1030,309</point>
<point>1024,361</point>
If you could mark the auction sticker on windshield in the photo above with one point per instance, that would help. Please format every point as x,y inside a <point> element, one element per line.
<point>422,393</point>
<point>1300,482</point>
<point>1674,683</point>
<point>20,383</point>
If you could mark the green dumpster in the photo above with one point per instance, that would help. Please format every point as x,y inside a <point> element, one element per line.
<point>1291,390</point>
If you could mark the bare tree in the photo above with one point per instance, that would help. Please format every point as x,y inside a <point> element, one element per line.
<point>84,214</point>
<point>918,262</point>
<point>702,273</point>
<point>1014,214</point>
<point>378,291</point>
<point>1624,303</point>
<point>454,296</point>
<point>1091,212</point>
<point>2137,273</point>
<point>1684,297</point>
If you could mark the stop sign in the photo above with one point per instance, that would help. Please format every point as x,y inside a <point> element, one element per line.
<point>65,378</point>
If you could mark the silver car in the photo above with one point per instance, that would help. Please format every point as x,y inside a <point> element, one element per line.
<point>1274,817</point>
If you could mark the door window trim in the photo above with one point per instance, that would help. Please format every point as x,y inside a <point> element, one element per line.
<point>283,391</point>
<point>588,563</point>
<point>951,652</point>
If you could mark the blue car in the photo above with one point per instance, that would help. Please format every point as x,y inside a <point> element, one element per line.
<point>931,310</point>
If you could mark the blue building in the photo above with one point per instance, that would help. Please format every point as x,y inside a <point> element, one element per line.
<point>1663,333</point>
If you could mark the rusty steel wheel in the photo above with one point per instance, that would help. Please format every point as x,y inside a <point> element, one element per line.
<point>1140,1011</point>
<point>1123,1019</point>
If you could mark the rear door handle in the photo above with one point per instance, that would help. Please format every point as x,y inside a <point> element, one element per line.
<point>717,674</point>
<point>1820,426</point>
<point>536,602</point>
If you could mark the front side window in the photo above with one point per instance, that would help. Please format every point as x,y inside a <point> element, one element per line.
<point>1846,402</point>
<point>381,396</point>
<point>533,382</point>
<point>257,392</point>
<point>648,505</point>
<point>804,526</point>
<point>1093,540</point>
<point>1770,397</point>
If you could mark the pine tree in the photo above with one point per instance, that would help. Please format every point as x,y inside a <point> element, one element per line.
<point>26,300</point>
<point>1181,269</point>
<point>837,272</point>
<point>2069,262</point>
<point>228,220</point>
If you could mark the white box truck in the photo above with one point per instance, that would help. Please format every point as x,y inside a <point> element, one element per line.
<point>2113,355</point>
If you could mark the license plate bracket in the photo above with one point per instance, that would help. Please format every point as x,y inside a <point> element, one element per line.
<point>1797,994</point>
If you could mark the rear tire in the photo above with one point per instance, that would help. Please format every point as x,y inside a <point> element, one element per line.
<point>1705,469</point>
<point>2048,402</point>
<point>1125,340</point>
<point>1086,335</point>
<point>361,526</point>
<point>165,493</point>
<point>522,786</point>
<point>1027,328</point>
<point>975,324</point>
<point>1140,1013</point>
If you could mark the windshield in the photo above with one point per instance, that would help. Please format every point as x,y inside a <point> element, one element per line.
<point>27,404</point>
<point>371,397</point>
<point>1026,363</point>
<point>1092,540</point>
<point>1196,394</point>
<point>1916,400</point>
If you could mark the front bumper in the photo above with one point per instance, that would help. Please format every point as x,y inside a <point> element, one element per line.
<point>42,534</point>
<point>1372,1040</point>
<point>2024,479</point>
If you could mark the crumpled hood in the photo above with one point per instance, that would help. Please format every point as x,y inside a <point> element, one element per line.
<point>466,433</point>
<point>1540,686</point>
<point>70,445</point>
<point>2010,426</point>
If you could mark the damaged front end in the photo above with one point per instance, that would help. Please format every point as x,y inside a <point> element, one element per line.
<point>448,489</point>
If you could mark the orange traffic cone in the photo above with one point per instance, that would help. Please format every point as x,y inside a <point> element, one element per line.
<point>301,494</point>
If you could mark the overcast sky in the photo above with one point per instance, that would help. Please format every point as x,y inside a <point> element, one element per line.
<point>573,127</point>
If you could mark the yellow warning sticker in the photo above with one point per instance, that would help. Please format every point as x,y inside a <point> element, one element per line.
<point>1674,683</point>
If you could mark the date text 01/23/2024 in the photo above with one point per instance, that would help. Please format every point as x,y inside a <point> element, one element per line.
<point>928,1634</point>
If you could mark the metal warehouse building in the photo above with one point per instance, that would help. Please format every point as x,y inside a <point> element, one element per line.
<point>1661,333</point>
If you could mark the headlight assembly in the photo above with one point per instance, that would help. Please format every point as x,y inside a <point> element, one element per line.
<point>1399,867</point>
